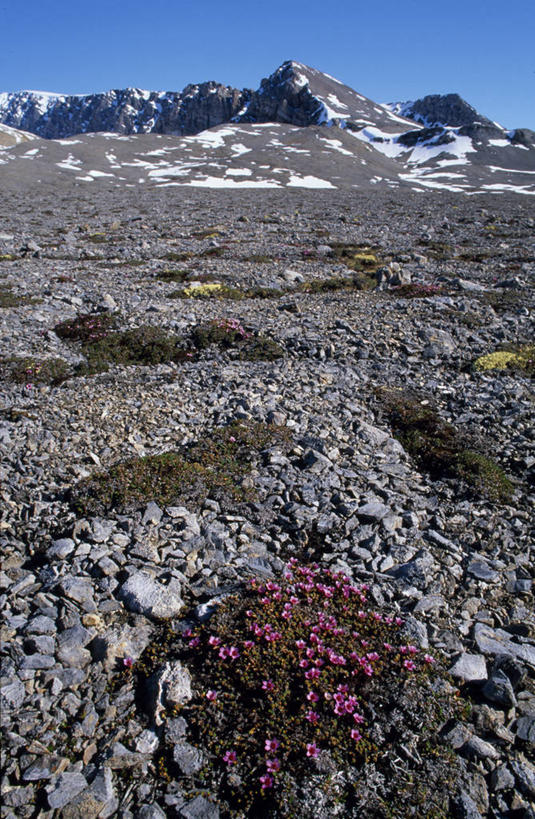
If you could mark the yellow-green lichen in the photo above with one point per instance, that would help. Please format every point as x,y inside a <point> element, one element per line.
<point>521,359</point>
<point>199,291</point>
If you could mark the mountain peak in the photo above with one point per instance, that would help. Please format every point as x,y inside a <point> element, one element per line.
<point>441,110</point>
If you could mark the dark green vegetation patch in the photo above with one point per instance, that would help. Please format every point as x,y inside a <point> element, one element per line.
<point>86,327</point>
<point>211,468</point>
<point>144,345</point>
<point>229,334</point>
<point>300,686</point>
<point>10,299</point>
<point>439,448</point>
<point>29,371</point>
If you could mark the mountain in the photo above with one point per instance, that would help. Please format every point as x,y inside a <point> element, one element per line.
<point>301,127</point>
<point>294,94</point>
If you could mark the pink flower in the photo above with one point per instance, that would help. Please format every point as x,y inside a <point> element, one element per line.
<point>248,644</point>
<point>313,674</point>
<point>312,750</point>
<point>358,718</point>
<point>355,734</point>
<point>194,642</point>
<point>273,765</point>
<point>223,652</point>
<point>266,781</point>
<point>267,685</point>
<point>211,695</point>
<point>409,665</point>
<point>233,653</point>
<point>429,659</point>
<point>214,641</point>
<point>271,745</point>
<point>232,439</point>
<point>128,662</point>
<point>230,757</point>
<point>312,717</point>
<point>312,696</point>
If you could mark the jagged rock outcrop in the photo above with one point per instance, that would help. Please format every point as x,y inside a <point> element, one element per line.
<point>127,111</point>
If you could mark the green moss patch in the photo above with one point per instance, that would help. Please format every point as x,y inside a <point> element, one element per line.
<point>29,371</point>
<point>211,468</point>
<point>178,257</point>
<point>229,334</point>
<point>416,291</point>
<point>357,258</point>
<point>440,251</point>
<point>300,682</point>
<point>177,276</point>
<point>10,299</point>
<point>439,448</point>
<point>503,301</point>
<point>144,345</point>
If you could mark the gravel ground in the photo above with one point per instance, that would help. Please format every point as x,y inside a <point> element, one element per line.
<point>82,591</point>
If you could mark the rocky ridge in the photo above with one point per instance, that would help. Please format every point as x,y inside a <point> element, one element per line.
<point>82,593</point>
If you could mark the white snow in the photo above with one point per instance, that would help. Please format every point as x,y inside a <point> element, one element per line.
<point>499,143</point>
<point>68,141</point>
<point>32,152</point>
<point>308,182</point>
<point>514,188</point>
<point>336,145</point>
<point>238,149</point>
<point>239,172</point>
<point>334,101</point>
<point>508,170</point>
<point>218,182</point>
<point>96,174</point>
<point>334,79</point>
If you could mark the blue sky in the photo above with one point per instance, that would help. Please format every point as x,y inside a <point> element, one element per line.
<point>388,50</point>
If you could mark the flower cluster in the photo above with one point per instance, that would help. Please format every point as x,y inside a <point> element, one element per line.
<point>232,325</point>
<point>288,673</point>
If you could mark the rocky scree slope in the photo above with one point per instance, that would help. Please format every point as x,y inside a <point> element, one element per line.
<point>374,301</point>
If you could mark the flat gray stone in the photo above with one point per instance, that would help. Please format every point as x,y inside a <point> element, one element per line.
<point>470,668</point>
<point>498,689</point>
<point>497,641</point>
<point>524,773</point>
<point>170,687</point>
<point>99,800</point>
<point>481,570</point>
<point>199,808</point>
<point>373,511</point>
<point>188,758</point>
<point>66,787</point>
<point>143,594</point>
<point>525,728</point>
